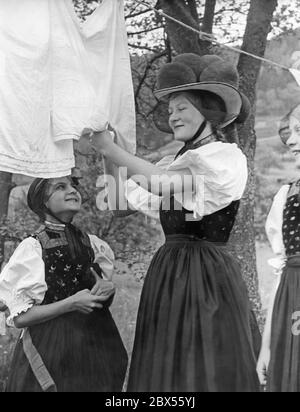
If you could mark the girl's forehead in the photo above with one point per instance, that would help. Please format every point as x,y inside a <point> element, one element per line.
<point>56,181</point>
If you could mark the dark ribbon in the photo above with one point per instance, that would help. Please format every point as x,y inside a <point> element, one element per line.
<point>191,143</point>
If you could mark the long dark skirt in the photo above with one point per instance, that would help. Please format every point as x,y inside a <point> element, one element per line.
<point>82,354</point>
<point>193,331</point>
<point>284,368</point>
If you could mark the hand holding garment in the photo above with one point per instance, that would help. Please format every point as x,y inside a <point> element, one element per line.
<point>59,78</point>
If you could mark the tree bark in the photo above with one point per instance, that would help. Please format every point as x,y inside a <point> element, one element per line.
<point>182,40</point>
<point>208,24</point>
<point>5,188</point>
<point>194,11</point>
<point>243,238</point>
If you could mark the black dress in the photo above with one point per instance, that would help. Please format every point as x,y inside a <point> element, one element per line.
<point>193,331</point>
<point>284,368</point>
<point>82,353</point>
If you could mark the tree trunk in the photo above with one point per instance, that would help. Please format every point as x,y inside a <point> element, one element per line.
<point>208,24</point>
<point>5,188</point>
<point>255,41</point>
<point>194,10</point>
<point>182,40</point>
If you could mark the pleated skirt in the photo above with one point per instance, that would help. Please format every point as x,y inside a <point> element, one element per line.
<point>82,353</point>
<point>193,330</point>
<point>284,368</point>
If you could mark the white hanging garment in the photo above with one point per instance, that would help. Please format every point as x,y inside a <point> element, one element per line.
<point>58,78</point>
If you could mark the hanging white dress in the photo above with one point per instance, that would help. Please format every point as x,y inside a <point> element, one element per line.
<point>57,78</point>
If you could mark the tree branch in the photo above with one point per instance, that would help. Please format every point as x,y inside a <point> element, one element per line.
<point>144,31</point>
<point>137,14</point>
<point>183,40</point>
<point>136,46</point>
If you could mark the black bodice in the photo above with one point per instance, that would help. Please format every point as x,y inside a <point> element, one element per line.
<point>65,274</point>
<point>291,225</point>
<point>213,228</point>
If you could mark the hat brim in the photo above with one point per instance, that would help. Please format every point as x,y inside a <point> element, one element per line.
<point>229,94</point>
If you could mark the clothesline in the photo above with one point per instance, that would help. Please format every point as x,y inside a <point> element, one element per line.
<point>212,39</point>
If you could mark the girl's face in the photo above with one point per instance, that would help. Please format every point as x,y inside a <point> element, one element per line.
<point>293,141</point>
<point>63,199</point>
<point>184,119</point>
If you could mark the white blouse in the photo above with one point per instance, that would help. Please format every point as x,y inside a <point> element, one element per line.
<point>220,175</point>
<point>22,281</point>
<point>274,230</point>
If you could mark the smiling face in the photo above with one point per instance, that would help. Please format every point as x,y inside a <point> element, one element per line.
<point>185,120</point>
<point>63,199</point>
<point>293,140</point>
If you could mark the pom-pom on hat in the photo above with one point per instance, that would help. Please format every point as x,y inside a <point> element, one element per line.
<point>209,73</point>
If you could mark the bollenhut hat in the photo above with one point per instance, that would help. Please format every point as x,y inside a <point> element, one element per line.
<point>209,73</point>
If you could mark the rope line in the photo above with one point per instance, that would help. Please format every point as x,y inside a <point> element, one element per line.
<point>211,38</point>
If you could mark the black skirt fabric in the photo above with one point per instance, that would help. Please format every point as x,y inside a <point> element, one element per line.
<point>284,368</point>
<point>193,331</point>
<point>82,353</point>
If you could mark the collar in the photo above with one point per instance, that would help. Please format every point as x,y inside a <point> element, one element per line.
<point>192,146</point>
<point>206,140</point>
<point>58,227</point>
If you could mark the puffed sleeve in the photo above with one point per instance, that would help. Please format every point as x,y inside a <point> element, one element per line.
<point>22,281</point>
<point>220,175</point>
<point>104,256</point>
<point>140,199</point>
<point>274,230</point>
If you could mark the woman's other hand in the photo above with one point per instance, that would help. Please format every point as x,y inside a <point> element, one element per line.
<point>263,365</point>
<point>102,141</point>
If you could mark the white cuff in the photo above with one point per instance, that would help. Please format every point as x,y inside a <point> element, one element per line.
<point>18,303</point>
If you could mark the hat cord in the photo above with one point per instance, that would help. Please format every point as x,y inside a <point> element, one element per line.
<point>190,143</point>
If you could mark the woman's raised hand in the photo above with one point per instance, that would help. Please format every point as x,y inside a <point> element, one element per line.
<point>101,141</point>
<point>84,302</point>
